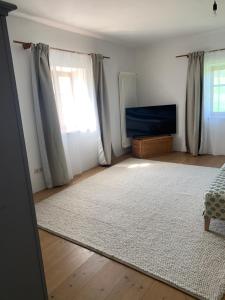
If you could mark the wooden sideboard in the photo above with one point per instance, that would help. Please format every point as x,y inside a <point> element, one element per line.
<point>145,147</point>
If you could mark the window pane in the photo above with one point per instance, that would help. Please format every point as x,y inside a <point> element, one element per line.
<point>219,99</point>
<point>216,77</point>
<point>222,76</point>
<point>219,76</point>
<point>67,107</point>
<point>75,102</point>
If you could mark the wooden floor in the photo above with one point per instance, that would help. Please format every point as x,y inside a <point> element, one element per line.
<point>73,272</point>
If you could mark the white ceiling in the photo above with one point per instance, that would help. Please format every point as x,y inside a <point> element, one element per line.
<point>133,22</point>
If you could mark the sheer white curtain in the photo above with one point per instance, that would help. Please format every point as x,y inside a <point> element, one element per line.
<point>74,90</point>
<point>213,115</point>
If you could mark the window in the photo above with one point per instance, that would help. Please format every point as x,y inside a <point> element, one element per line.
<point>218,89</point>
<point>74,102</point>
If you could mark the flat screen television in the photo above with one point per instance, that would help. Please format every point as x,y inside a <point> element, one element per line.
<point>151,120</point>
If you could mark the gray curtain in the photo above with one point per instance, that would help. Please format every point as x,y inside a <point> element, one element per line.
<point>105,155</point>
<point>194,101</point>
<point>47,122</point>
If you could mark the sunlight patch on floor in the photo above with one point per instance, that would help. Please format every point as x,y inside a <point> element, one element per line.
<point>141,165</point>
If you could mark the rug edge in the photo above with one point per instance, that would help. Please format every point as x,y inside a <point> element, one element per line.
<point>190,293</point>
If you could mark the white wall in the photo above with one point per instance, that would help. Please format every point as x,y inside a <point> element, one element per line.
<point>162,77</point>
<point>122,59</point>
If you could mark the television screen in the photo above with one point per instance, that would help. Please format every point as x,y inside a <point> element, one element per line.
<point>151,120</point>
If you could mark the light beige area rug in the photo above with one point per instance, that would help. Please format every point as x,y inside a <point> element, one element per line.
<point>148,215</point>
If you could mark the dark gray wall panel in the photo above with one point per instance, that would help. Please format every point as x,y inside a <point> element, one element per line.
<point>21,270</point>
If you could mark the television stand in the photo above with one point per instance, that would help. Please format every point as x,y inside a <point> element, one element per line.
<point>145,147</point>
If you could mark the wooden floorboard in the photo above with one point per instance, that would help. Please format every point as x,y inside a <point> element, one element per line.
<point>75,273</point>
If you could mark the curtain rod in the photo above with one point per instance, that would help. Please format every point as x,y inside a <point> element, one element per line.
<point>27,45</point>
<point>215,50</point>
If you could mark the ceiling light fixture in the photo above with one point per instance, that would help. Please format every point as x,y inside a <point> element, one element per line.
<point>215,7</point>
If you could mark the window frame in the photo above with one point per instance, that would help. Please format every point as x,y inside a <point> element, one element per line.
<point>213,69</point>
<point>70,73</point>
